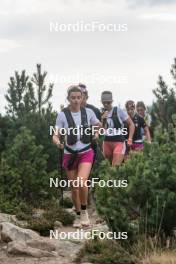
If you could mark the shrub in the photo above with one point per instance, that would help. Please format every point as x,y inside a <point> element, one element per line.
<point>148,203</point>
<point>104,251</point>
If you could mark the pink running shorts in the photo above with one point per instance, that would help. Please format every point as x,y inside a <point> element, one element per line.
<point>113,148</point>
<point>84,157</point>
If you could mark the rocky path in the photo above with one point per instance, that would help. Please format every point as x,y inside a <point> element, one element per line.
<point>18,246</point>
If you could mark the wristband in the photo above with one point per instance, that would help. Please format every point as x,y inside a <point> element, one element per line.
<point>129,141</point>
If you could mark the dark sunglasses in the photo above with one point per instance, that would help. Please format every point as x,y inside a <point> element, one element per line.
<point>107,103</point>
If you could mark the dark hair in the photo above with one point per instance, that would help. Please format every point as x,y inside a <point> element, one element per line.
<point>82,85</point>
<point>73,88</point>
<point>141,104</point>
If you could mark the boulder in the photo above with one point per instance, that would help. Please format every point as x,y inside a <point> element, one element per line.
<point>68,249</point>
<point>12,219</point>
<point>41,244</point>
<point>5,218</point>
<point>21,248</point>
<point>10,232</point>
<point>57,224</point>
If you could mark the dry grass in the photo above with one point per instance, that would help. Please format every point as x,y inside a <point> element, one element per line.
<point>150,252</point>
<point>163,258</point>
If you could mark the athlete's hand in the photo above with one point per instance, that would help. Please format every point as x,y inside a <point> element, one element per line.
<point>104,115</point>
<point>129,142</point>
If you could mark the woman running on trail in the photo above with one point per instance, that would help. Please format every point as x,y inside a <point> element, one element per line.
<point>140,124</point>
<point>142,111</point>
<point>78,154</point>
<point>113,119</point>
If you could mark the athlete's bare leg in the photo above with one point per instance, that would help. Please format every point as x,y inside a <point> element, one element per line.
<point>117,159</point>
<point>83,173</point>
<point>72,175</point>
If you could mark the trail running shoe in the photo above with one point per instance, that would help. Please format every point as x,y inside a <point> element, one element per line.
<point>77,221</point>
<point>85,218</point>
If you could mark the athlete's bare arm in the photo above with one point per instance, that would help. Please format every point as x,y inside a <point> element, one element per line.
<point>57,139</point>
<point>131,130</point>
<point>98,126</point>
<point>147,134</point>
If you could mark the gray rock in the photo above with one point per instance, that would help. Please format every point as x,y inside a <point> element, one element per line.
<point>21,248</point>
<point>100,227</point>
<point>68,249</point>
<point>5,218</point>
<point>10,232</point>
<point>41,244</point>
<point>12,219</point>
<point>17,222</point>
<point>86,263</point>
<point>58,224</point>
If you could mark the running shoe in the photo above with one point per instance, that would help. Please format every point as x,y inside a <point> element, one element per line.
<point>85,218</point>
<point>77,222</point>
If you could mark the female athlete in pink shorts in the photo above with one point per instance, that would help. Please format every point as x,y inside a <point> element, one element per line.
<point>113,120</point>
<point>140,125</point>
<point>78,154</point>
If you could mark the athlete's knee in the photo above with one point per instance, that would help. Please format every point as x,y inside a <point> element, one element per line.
<point>84,181</point>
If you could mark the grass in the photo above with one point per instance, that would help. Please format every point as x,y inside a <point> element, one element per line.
<point>45,222</point>
<point>105,251</point>
<point>168,257</point>
<point>142,252</point>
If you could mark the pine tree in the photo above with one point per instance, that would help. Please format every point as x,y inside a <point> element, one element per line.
<point>15,92</point>
<point>20,96</point>
<point>5,126</point>
<point>29,162</point>
<point>165,105</point>
<point>39,80</point>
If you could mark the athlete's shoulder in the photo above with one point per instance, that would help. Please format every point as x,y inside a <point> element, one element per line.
<point>60,115</point>
<point>89,111</point>
<point>140,120</point>
<point>94,108</point>
<point>122,113</point>
<point>60,120</point>
<point>65,109</point>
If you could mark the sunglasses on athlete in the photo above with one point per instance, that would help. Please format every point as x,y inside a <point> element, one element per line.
<point>107,103</point>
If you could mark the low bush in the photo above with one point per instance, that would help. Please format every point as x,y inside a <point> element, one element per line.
<point>105,251</point>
